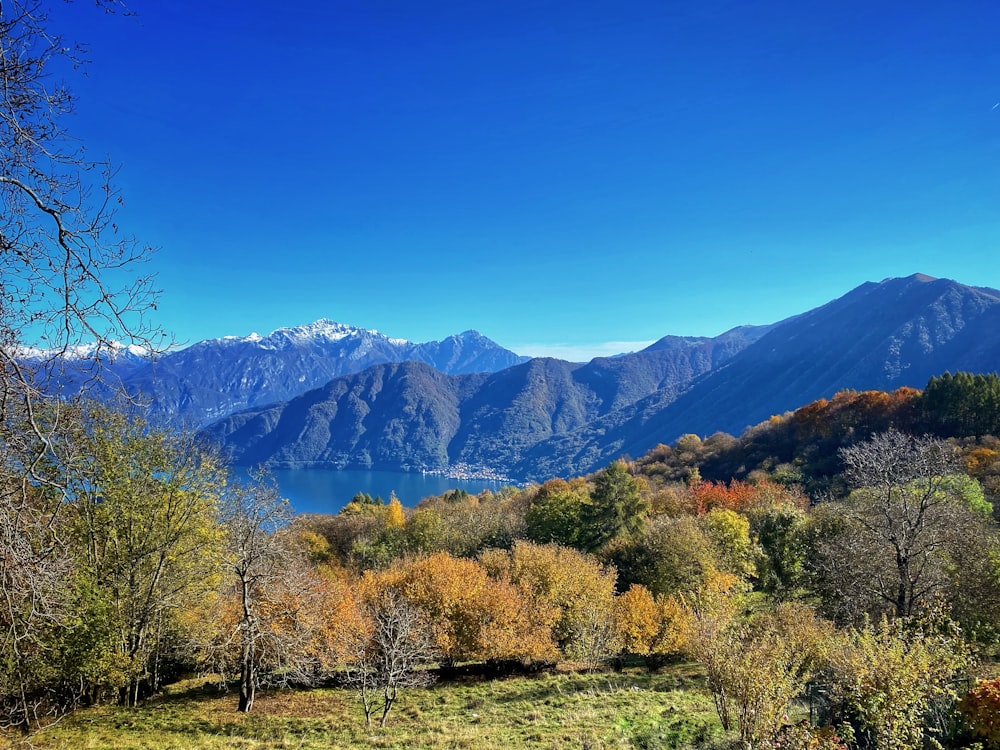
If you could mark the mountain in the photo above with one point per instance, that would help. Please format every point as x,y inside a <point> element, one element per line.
<point>879,336</point>
<point>211,379</point>
<point>547,418</point>
<point>410,417</point>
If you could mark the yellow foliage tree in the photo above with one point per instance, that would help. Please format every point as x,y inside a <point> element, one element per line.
<point>638,620</point>
<point>395,518</point>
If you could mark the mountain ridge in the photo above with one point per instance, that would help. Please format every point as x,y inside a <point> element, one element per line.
<point>210,379</point>
<point>547,417</point>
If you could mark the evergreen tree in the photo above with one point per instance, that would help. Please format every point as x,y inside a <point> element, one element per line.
<point>617,507</point>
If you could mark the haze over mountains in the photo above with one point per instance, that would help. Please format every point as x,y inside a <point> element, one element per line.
<point>546,417</point>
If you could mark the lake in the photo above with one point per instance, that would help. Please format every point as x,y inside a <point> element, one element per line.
<point>327,490</point>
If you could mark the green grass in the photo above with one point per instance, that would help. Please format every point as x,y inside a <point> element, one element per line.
<point>558,710</point>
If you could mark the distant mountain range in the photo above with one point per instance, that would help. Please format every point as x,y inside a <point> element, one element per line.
<point>409,416</point>
<point>544,417</point>
<point>211,379</point>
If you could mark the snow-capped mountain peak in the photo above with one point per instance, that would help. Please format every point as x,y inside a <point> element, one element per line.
<point>110,350</point>
<point>213,378</point>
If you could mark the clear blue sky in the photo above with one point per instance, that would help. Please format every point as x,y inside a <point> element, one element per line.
<point>548,173</point>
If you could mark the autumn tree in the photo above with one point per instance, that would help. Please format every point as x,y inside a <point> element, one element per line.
<point>471,615</point>
<point>886,675</point>
<point>694,619</point>
<point>69,277</point>
<point>756,669</point>
<point>980,707</point>
<point>637,619</point>
<point>572,583</point>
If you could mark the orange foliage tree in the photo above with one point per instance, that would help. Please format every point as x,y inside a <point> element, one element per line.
<point>572,583</point>
<point>742,497</point>
<point>472,616</point>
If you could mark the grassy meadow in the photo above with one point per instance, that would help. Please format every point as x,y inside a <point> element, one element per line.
<point>554,710</point>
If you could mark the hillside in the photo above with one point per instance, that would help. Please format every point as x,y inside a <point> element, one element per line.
<point>211,379</point>
<point>548,418</point>
<point>411,417</point>
<point>899,332</point>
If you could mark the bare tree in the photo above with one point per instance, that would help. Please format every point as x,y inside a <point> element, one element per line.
<point>67,277</point>
<point>894,541</point>
<point>70,277</point>
<point>273,620</point>
<point>388,651</point>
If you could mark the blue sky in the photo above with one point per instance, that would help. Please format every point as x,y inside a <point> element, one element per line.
<point>556,175</point>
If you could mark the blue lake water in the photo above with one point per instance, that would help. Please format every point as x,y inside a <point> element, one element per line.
<point>327,491</point>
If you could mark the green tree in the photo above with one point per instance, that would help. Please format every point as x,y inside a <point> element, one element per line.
<point>616,508</point>
<point>962,404</point>
<point>145,524</point>
<point>671,555</point>
<point>781,564</point>
<point>556,513</point>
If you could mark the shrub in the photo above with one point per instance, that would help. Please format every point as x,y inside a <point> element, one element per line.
<point>981,709</point>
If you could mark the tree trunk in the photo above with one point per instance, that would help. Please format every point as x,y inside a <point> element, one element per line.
<point>248,686</point>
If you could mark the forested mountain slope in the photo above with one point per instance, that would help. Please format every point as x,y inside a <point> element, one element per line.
<point>410,417</point>
<point>211,379</point>
<point>899,332</point>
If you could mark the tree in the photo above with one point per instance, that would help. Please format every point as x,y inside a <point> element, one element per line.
<point>37,600</point>
<point>735,551</point>
<point>62,253</point>
<point>471,615</point>
<point>962,404</point>
<point>637,620</point>
<point>555,513</point>
<point>886,675</point>
<point>572,585</point>
<point>617,507</point>
<point>980,707</point>
<point>781,562</point>
<point>671,555</point>
<point>896,538</point>
<point>387,651</point>
<point>274,604</point>
<point>756,669</point>
<point>61,259</point>
<point>145,529</point>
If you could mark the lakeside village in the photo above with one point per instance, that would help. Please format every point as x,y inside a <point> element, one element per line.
<point>467,471</point>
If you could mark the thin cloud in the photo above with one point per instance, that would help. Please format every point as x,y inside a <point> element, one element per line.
<point>580,352</point>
